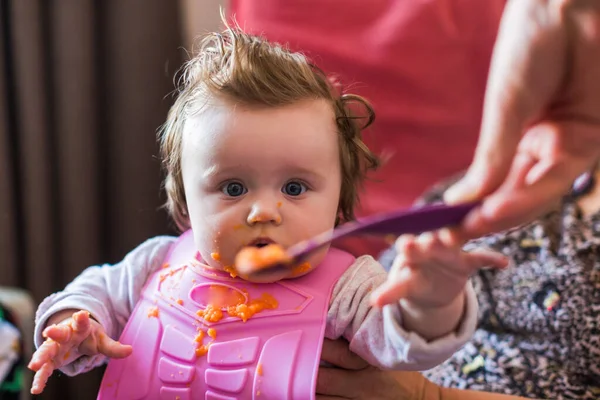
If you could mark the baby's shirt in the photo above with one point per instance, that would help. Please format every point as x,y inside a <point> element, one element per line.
<point>110,293</point>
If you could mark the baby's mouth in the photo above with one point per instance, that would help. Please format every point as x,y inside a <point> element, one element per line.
<point>261,242</point>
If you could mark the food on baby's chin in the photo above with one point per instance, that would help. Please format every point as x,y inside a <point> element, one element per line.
<point>253,258</point>
<point>215,256</point>
<point>301,269</point>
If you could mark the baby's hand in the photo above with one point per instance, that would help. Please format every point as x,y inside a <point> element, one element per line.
<point>429,272</point>
<point>67,341</point>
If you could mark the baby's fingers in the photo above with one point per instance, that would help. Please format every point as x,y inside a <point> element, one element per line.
<point>81,322</point>
<point>47,351</point>
<point>391,290</point>
<point>76,329</point>
<point>420,248</point>
<point>59,333</point>
<point>112,348</point>
<point>41,377</point>
<point>478,259</point>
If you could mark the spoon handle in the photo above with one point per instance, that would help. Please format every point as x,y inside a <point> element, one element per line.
<point>415,220</point>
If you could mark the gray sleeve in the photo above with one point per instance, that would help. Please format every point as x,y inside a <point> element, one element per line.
<point>108,292</point>
<point>377,335</point>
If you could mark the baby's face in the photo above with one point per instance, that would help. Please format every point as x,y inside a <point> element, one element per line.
<point>260,176</point>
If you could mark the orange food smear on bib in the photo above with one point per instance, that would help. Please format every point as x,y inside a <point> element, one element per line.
<point>232,272</point>
<point>199,337</point>
<point>202,350</point>
<point>211,313</point>
<point>235,305</point>
<point>246,311</point>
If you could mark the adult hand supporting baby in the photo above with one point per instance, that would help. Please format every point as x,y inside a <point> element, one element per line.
<point>350,377</point>
<point>70,339</point>
<point>541,121</point>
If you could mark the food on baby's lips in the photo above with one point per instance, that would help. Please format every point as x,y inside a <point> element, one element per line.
<point>252,258</point>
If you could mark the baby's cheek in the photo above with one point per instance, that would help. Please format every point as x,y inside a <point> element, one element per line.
<point>208,248</point>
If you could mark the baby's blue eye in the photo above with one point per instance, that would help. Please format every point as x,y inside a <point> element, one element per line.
<point>234,189</point>
<point>294,188</point>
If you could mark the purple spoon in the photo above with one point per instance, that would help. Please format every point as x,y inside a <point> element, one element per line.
<point>414,220</point>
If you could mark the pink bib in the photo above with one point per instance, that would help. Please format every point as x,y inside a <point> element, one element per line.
<point>273,355</point>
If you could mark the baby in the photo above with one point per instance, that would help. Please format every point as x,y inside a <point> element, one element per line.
<point>260,148</point>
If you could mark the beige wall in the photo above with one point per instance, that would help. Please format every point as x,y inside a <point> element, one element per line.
<point>200,17</point>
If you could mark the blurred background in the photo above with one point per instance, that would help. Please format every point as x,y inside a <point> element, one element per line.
<point>84,85</point>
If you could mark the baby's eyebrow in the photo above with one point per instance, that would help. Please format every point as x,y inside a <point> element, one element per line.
<point>305,173</point>
<point>215,170</point>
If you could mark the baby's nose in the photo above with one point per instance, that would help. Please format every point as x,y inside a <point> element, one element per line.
<point>264,212</point>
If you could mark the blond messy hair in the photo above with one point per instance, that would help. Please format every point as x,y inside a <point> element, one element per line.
<point>248,70</point>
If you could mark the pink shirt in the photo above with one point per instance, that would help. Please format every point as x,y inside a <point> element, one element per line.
<point>423,65</point>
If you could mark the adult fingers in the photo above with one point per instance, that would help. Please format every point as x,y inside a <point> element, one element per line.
<point>336,383</point>
<point>338,353</point>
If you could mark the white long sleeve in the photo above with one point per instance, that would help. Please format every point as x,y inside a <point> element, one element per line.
<point>377,334</point>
